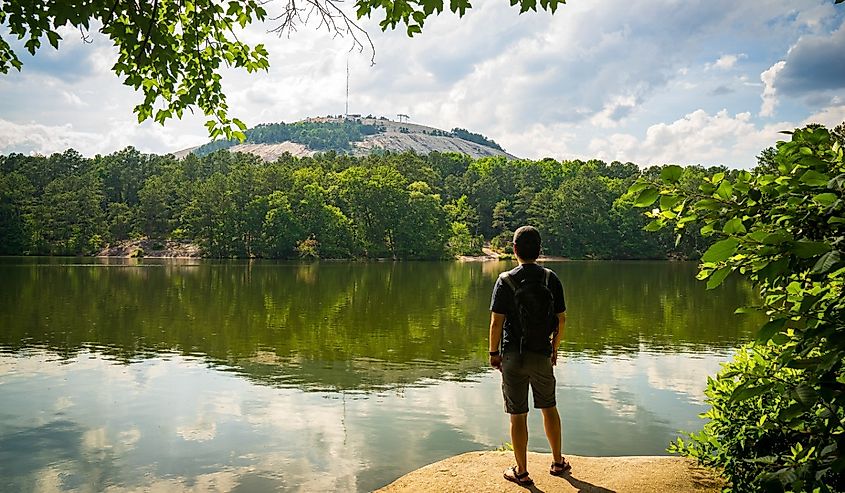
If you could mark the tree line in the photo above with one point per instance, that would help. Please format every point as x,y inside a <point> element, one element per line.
<point>395,205</point>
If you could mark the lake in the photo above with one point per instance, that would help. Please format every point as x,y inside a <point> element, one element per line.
<point>125,374</point>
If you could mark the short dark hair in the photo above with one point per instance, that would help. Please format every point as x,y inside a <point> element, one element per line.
<point>526,243</point>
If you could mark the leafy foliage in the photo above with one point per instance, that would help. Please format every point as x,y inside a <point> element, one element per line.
<point>170,50</point>
<point>413,13</point>
<point>474,137</point>
<point>776,421</point>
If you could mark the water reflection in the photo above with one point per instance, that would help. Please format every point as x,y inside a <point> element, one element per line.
<point>252,376</point>
<point>344,325</point>
<point>175,423</point>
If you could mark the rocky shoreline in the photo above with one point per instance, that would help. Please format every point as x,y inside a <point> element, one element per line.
<point>482,472</point>
<point>152,249</point>
<point>147,248</point>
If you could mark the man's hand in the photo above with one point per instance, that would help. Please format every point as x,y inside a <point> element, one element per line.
<point>554,356</point>
<point>496,362</point>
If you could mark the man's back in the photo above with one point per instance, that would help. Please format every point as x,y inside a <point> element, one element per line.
<point>504,301</point>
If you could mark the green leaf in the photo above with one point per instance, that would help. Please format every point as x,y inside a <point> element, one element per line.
<point>743,392</point>
<point>775,238</point>
<point>768,330</point>
<point>809,249</point>
<point>655,225</point>
<point>637,187</point>
<point>725,190</point>
<point>717,277</point>
<point>646,197</point>
<point>825,199</point>
<point>721,250</point>
<point>707,187</point>
<point>827,262</point>
<point>460,6</point>
<point>671,173</point>
<point>668,202</point>
<point>791,412</point>
<point>780,338</point>
<point>241,125</point>
<point>54,39</point>
<point>710,204</point>
<point>805,363</point>
<point>734,226</point>
<point>814,178</point>
<point>805,394</point>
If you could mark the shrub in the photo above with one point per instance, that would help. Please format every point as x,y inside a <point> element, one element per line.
<point>308,249</point>
<point>777,416</point>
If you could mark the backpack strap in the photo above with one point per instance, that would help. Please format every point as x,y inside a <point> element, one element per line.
<point>506,277</point>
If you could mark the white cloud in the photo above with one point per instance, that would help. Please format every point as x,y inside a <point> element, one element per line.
<point>726,62</point>
<point>814,64</point>
<point>697,138</point>
<point>540,141</point>
<point>36,138</point>
<point>829,117</point>
<point>769,97</point>
<point>95,440</point>
<point>614,111</point>
<point>683,373</point>
<point>200,431</point>
<point>73,100</point>
<point>537,84</point>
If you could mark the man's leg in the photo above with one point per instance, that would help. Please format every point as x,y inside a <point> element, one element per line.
<point>519,438</point>
<point>551,423</point>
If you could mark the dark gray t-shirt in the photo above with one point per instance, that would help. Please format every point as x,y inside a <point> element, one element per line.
<point>502,302</point>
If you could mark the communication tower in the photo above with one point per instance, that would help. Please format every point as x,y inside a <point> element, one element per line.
<point>346,114</point>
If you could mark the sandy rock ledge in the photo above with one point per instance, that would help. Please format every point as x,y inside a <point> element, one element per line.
<point>482,472</point>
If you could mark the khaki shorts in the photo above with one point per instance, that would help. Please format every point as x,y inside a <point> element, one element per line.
<point>521,370</point>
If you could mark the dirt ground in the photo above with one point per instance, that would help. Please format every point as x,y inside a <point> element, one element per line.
<point>482,472</point>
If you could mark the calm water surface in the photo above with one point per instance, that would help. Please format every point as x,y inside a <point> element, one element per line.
<point>262,376</point>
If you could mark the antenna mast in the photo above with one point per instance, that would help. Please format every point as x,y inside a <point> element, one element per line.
<point>347,88</point>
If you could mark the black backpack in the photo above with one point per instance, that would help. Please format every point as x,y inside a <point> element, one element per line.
<point>534,307</point>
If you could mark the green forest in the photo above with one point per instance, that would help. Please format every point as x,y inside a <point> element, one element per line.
<point>400,206</point>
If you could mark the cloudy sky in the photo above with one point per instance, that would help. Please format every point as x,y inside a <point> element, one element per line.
<point>662,81</point>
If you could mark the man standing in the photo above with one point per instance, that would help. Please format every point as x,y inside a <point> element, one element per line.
<point>526,325</point>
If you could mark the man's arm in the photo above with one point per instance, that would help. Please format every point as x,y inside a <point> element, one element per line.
<point>497,321</point>
<point>561,323</point>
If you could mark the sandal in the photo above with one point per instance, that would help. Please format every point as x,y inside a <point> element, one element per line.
<point>520,479</point>
<point>560,468</point>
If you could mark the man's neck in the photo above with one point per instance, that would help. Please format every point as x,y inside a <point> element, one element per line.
<point>524,262</point>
